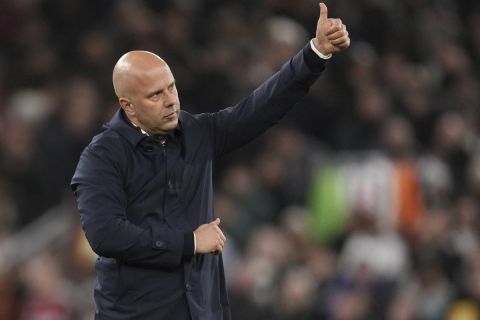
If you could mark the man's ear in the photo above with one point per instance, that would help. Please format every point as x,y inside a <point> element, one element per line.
<point>127,106</point>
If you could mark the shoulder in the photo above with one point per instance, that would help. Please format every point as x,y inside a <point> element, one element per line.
<point>104,157</point>
<point>189,119</point>
<point>108,141</point>
<point>197,133</point>
<point>107,147</point>
<point>195,123</point>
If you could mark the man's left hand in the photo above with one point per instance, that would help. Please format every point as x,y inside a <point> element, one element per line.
<point>332,35</point>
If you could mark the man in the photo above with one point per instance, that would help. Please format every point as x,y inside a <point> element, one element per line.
<point>144,185</point>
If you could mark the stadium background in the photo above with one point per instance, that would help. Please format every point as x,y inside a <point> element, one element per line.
<point>362,204</point>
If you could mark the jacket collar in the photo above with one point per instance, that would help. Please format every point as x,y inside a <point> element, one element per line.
<point>122,125</point>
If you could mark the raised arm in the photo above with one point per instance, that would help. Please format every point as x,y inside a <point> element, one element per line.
<point>266,105</point>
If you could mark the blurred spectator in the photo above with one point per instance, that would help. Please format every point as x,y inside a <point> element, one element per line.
<point>64,135</point>
<point>26,184</point>
<point>47,295</point>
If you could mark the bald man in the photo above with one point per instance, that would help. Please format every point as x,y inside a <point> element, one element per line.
<point>144,185</point>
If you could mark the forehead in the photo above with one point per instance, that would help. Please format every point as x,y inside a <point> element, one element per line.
<point>157,77</point>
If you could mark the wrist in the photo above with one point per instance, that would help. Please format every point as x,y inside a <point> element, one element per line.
<point>319,50</point>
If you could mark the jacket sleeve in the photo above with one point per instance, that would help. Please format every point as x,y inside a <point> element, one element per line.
<point>265,106</point>
<point>102,201</point>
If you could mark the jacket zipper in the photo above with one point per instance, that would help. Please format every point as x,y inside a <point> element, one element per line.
<point>164,154</point>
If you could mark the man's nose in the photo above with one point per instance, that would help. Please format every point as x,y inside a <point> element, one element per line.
<point>170,99</point>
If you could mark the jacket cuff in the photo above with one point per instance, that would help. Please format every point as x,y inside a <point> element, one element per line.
<point>314,63</point>
<point>188,244</point>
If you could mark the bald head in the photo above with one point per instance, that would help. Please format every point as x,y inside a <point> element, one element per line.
<point>132,67</point>
<point>146,91</point>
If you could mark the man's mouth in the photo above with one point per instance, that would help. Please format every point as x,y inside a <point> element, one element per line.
<point>171,115</point>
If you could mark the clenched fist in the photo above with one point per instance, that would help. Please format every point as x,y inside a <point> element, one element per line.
<point>209,238</point>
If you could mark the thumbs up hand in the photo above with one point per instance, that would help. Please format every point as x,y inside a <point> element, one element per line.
<point>332,35</point>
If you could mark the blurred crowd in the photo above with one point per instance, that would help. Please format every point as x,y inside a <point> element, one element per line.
<point>362,204</point>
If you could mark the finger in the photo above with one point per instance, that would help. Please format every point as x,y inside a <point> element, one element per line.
<point>344,45</point>
<point>217,228</point>
<point>323,13</point>
<point>218,248</point>
<point>341,46</point>
<point>220,233</point>
<point>333,28</point>
<point>335,23</point>
<point>339,41</point>
<point>216,222</point>
<point>337,35</point>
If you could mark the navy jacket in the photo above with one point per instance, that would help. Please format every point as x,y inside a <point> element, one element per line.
<point>140,201</point>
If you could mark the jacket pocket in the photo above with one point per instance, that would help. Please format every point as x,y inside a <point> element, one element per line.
<point>108,284</point>
<point>161,286</point>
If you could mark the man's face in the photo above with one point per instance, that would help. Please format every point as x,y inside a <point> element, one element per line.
<point>154,103</point>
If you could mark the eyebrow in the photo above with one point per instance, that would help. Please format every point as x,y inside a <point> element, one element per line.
<point>160,91</point>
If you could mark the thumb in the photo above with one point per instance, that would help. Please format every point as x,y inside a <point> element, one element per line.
<point>323,12</point>
<point>216,221</point>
